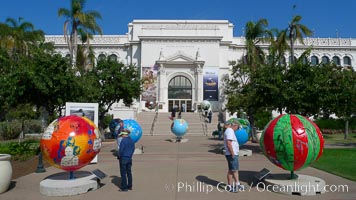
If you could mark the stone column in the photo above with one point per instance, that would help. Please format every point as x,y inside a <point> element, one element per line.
<point>199,84</point>
<point>161,91</point>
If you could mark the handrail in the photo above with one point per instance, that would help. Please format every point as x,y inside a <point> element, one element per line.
<point>153,124</point>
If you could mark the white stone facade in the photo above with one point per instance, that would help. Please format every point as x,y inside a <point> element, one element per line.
<point>192,50</point>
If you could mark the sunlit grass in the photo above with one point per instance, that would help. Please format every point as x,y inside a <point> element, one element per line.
<point>341,162</point>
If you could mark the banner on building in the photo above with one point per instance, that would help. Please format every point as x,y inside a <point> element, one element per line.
<point>149,77</point>
<point>211,85</point>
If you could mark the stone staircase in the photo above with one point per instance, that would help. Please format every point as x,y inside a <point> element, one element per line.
<point>197,123</point>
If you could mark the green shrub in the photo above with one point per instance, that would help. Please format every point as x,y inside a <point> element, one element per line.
<point>106,121</point>
<point>20,151</point>
<point>262,118</point>
<point>335,124</point>
<point>10,130</point>
<point>32,126</point>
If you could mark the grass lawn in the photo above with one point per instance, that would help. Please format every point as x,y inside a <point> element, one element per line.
<point>339,138</point>
<point>341,162</point>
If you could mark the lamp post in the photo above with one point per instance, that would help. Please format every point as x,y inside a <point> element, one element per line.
<point>44,117</point>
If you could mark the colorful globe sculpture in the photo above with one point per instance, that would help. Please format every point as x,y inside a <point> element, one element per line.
<point>134,128</point>
<point>205,105</point>
<point>114,126</point>
<point>241,136</point>
<point>292,142</point>
<point>70,142</point>
<point>245,124</point>
<point>179,127</point>
<point>244,132</point>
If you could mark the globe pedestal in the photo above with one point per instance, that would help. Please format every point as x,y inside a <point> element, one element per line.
<point>303,185</point>
<point>60,185</point>
<point>5,172</point>
<point>179,139</point>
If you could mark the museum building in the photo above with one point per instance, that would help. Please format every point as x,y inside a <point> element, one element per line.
<point>183,62</point>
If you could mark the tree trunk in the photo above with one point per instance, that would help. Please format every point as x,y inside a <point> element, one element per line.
<point>346,129</point>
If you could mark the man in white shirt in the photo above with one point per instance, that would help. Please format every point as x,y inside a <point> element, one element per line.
<point>232,155</point>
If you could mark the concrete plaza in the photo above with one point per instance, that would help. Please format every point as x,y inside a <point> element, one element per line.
<point>192,170</point>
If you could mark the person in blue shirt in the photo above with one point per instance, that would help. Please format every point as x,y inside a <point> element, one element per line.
<point>126,150</point>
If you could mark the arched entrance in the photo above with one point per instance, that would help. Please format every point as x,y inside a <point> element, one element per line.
<point>180,93</point>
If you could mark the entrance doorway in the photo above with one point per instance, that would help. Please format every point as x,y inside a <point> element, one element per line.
<point>180,93</point>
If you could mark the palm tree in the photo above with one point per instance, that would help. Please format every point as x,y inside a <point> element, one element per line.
<point>255,33</point>
<point>78,19</point>
<point>17,36</point>
<point>295,32</point>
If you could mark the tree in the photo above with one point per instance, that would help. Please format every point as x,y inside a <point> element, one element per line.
<point>78,19</point>
<point>345,104</point>
<point>295,31</point>
<point>112,82</point>
<point>19,36</point>
<point>255,34</point>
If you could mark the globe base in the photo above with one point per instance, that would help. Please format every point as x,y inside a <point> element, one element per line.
<point>179,140</point>
<point>303,185</point>
<point>60,184</point>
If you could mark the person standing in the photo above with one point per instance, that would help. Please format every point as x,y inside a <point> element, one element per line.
<point>126,150</point>
<point>210,115</point>
<point>173,114</point>
<point>232,155</point>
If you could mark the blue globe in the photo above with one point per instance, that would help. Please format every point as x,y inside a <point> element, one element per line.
<point>244,132</point>
<point>242,136</point>
<point>179,127</point>
<point>134,128</point>
<point>114,125</point>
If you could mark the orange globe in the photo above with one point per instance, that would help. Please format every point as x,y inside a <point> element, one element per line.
<point>70,142</point>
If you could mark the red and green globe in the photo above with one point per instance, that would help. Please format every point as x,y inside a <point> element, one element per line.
<point>292,142</point>
<point>70,142</point>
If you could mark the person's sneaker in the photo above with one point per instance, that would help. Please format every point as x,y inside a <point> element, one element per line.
<point>240,188</point>
<point>233,190</point>
<point>123,190</point>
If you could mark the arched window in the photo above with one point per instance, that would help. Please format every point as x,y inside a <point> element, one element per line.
<point>304,60</point>
<point>282,61</point>
<point>336,60</point>
<point>314,60</point>
<point>269,59</point>
<point>101,57</point>
<point>179,87</point>
<point>290,59</point>
<point>113,57</point>
<point>325,60</point>
<point>347,61</point>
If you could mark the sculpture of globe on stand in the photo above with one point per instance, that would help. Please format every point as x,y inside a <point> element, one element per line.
<point>244,132</point>
<point>70,143</point>
<point>134,128</point>
<point>114,127</point>
<point>205,105</point>
<point>179,128</point>
<point>292,142</point>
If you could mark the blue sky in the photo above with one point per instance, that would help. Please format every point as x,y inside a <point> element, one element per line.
<point>327,18</point>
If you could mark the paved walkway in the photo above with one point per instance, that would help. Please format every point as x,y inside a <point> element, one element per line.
<point>167,170</point>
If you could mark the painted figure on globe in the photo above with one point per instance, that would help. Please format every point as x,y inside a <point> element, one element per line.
<point>292,142</point>
<point>70,142</point>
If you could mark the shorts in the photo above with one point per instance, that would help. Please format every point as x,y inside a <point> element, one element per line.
<point>233,162</point>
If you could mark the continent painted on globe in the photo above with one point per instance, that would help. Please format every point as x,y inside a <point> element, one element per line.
<point>134,128</point>
<point>70,142</point>
<point>292,142</point>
